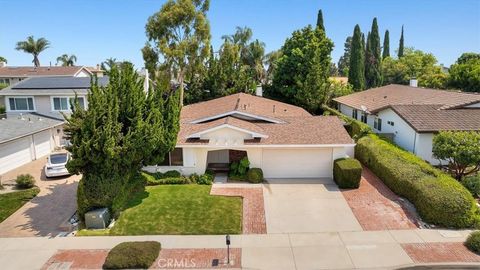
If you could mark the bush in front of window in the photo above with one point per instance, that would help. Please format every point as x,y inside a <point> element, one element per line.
<point>347,172</point>
<point>25,181</point>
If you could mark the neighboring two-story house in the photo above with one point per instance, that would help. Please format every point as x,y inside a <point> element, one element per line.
<point>413,115</point>
<point>33,126</point>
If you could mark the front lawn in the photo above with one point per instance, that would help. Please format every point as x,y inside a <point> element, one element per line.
<point>180,209</point>
<point>12,201</point>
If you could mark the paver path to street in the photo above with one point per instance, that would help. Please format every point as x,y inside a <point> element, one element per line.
<point>46,213</point>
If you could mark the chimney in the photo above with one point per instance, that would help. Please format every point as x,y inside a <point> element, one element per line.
<point>259,91</point>
<point>413,82</point>
<point>3,64</point>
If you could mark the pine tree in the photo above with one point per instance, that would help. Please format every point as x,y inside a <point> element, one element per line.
<point>344,61</point>
<point>386,45</point>
<point>320,20</point>
<point>356,71</point>
<point>373,76</point>
<point>401,45</point>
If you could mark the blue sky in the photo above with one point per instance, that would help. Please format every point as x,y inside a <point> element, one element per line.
<point>94,30</point>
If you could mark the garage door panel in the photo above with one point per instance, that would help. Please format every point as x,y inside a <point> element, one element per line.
<point>297,163</point>
<point>14,154</point>
<point>43,145</point>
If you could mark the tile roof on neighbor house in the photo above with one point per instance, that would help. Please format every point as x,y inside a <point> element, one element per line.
<point>243,104</point>
<point>429,118</point>
<point>376,99</point>
<point>23,125</point>
<point>296,126</point>
<point>22,72</point>
<point>51,85</point>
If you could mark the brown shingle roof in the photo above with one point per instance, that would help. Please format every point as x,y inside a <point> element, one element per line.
<point>243,103</point>
<point>429,118</point>
<point>39,71</point>
<point>376,99</point>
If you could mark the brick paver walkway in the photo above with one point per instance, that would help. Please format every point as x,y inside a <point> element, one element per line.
<point>82,259</point>
<point>253,207</point>
<point>440,253</point>
<point>376,207</point>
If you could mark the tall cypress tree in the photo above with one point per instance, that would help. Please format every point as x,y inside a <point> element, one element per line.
<point>400,47</point>
<point>356,71</point>
<point>386,45</point>
<point>373,76</point>
<point>320,20</point>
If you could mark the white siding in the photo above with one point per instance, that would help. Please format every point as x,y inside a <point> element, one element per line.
<point>404,134</point>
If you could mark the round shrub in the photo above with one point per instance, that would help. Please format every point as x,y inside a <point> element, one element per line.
<point>132,255</point>
<point>347,172</point>
<point>171,174</point>
<point>205,179</point>
<point>194,178</point>
<point>25,181</point>
<point>472,183</point>
<point>210,172</point>
<point>255,175</point>
<point>473,242</point>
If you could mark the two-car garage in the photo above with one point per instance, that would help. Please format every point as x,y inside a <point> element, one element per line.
<point>25,140</point>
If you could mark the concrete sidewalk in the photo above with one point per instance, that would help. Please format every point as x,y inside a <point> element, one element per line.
<point>343,250</point>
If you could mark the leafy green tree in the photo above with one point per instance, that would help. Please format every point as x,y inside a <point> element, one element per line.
<point>3,59</point>
<point>344,61</point>
<point>373,75</point>
<point>270,60</point>
<point>337,89</point>
<point>150,57</point>
<point>181,34</point>
<point>303,69</point>
<point>356,70</point>
<point>401,45</point>
<point>34,47</point>
<point>414,64</point>
<point>465,73</point>
<point>320,20</point>
<point>67,60</point>
<point>460,149</point>
<point>122,130</point>
<point>386,45</point>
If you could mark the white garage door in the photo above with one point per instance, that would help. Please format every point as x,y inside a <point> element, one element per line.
<point>14,154</point>
<point>43,145</point>
<point>297,163</point>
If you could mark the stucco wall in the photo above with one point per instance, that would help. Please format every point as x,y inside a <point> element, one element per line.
<point>405,135</point>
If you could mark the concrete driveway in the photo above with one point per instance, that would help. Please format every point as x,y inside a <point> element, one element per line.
<point>46,214</point>
<point>306,205</point>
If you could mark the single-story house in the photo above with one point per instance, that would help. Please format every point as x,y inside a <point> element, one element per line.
<point>285,141</point>
<point>413,115</point>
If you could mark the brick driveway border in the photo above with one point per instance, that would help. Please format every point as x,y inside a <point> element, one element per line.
<point>376,207</point>
<point>76,259</point>
<point>253,207</point>
<point>440,253</point>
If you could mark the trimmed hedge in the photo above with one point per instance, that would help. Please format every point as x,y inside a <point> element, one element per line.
<point>355,128</point>
<point>472,183</point>
<point>473,242</point>
<point>132,255</point>
<point>205,179</point>
<point>438,198</point>
<point>347,172</point>
<point>255,175</point>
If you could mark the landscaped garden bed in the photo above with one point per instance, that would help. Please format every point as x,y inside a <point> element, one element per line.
<point>177,209</point>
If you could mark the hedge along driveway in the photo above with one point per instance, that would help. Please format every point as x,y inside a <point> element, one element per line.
<point>439,198</point>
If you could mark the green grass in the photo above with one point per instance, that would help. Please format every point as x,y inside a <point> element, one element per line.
<point>12,201</point>
<point>179,209</point>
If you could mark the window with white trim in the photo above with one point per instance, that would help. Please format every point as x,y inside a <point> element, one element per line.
<point>174,158</point>
<point>354,114</point>
<point>377,124</point>
<point>65,103</point>
<point>363,117</point>
<point>21,104</point>
<point>5,81</point>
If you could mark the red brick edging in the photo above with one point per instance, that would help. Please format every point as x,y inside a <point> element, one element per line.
<point>376,207</point>
<point>253,207</point>
<point>440,253</point>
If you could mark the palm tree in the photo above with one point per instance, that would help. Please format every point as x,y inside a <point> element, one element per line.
<point>109,63</point>
<point>34,47</point>
<point>67,60</point>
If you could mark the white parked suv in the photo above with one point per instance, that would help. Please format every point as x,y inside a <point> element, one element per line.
<point>56,164</point>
